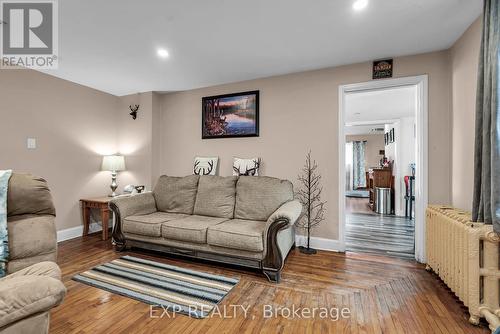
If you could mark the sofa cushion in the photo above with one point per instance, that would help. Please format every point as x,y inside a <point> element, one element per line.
<point>257,197</point>
<point>216,196</point>
<point>150,224</point>
<point>238,234</point>
<point>29,194</point>
<point>191,229</point>
<point>31,235</point>
<point>176,194</point>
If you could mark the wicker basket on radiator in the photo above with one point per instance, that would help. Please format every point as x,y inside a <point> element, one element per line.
<point>465,255</point>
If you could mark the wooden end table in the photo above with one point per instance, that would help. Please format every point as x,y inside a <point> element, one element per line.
<point>100,203</point>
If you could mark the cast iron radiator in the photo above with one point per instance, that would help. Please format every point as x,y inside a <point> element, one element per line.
<point>465,255</point>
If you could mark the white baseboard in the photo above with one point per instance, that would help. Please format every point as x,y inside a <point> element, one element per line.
<point>320,243</point>
<point>75,232</point>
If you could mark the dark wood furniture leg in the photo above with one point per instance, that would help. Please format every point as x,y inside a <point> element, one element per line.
<point>117,237</point>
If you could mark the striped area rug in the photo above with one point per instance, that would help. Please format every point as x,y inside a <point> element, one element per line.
<point>179,290</point>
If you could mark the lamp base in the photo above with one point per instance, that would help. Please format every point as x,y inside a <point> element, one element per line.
<point>113,185</point>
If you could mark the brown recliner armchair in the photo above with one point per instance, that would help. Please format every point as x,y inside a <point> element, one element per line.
<point>30,222</point>
<point>33,285</point>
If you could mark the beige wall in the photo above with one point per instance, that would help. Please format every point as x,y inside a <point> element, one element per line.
<point>76,125</point>
<point>464,67</point>
<point>137,139</point>
<point>299,112</point>
<point>374,143</point>
<point>73,125</point>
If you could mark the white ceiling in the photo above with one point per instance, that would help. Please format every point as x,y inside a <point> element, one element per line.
<point>111,45</point>
<point>364,129</point>
<point>381,105</point>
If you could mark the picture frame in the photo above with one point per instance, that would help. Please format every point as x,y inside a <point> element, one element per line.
<point>391,135</point>
<point>230,115</point>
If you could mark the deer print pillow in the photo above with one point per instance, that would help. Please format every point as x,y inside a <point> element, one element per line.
<point>205,165</point>
<point>246,167</point>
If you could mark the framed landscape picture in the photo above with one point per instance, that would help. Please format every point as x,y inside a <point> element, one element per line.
<point>230,115</point>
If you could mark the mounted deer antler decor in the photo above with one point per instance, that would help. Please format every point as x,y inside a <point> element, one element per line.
<point>133,111</point>
<point>205,166</point>
<point>309,195</point>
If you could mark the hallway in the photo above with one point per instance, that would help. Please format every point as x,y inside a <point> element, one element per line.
<point>378,234</point>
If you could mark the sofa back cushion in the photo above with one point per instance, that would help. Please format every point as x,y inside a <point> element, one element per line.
<point>28,194</point>
<point>176,194</point>
<point>257,197</point>
<point>216,196</point>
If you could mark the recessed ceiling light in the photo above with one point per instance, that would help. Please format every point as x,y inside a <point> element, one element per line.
<point>162,53</point>
<point>360,4</point>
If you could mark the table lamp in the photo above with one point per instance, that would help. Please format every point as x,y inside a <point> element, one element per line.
<point>113,164</point>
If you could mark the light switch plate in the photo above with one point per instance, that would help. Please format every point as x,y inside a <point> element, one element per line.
<point>31,143</point>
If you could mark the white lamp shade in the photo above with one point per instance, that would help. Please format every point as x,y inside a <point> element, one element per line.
<point>113,163</point>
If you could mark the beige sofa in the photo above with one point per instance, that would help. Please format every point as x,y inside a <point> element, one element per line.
<point>33,285</point>
<point>247,220</point>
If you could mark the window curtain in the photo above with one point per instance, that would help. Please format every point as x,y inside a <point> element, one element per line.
<point>349,182</point>
<point>486,202</point>
<point>358,162</point>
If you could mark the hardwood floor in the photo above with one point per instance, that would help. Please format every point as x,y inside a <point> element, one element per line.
<point>384,295</point>
<point>379,234</point>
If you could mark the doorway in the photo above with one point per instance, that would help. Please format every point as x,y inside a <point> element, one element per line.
<point>383,166</point>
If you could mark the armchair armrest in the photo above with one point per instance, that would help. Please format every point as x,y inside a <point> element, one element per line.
<point>123,207</point>
<point>23,296</point>
<point>275,251</point>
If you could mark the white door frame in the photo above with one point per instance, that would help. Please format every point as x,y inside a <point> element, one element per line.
<point>421,176</point>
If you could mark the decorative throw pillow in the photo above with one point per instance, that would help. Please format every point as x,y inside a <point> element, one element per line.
<point>4,238</point>
<point>205,165</point>
<point>246,167</point>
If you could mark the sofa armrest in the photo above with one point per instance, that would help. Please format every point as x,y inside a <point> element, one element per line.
<point>23,296</point>
<point>275,251</point>
<point>122,207</point>
<point>140,204</point>
<point>290,211</point>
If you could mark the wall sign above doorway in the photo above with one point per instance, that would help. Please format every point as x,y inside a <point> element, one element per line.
<point>382,69</point>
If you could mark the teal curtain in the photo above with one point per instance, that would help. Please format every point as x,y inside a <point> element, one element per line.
<point>486,202</point>
<point>358,162</point>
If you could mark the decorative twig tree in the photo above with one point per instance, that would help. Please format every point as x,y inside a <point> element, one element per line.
<point>309,194</point>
